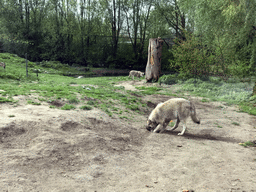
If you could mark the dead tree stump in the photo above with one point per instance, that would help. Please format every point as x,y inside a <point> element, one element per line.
<point>153,68</point>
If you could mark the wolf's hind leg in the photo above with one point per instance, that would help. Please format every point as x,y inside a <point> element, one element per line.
<point>184,127</point>
<point>176,125</point>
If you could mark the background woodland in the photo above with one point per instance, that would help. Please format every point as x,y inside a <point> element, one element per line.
<point>202,37</point>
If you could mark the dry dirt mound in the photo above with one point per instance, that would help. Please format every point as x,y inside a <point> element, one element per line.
<point>45,149</point>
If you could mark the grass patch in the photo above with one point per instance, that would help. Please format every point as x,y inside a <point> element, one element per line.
<point>149,90</point>
<point>68,107</point>
<point>123,117</point>
<point>133,107</point>
<point>205,100</point>
<point>219,126</point>
<point>51,84</point>
<point>5,100</point>
<point>91,102</point>
<point>248,108</point>
<point>73,100</point>
<point>168,79</point>
<point>33,103</point>
<point>248,144</point>
<point>86,107</point>
<point>235,123</point>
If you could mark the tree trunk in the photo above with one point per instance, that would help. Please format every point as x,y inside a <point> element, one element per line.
<point>153,68</point>
<point>254,90</point>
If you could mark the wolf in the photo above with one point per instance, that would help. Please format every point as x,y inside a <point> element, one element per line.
<point>136,74</point>
<point>2,64</point>
<point>177,108</point>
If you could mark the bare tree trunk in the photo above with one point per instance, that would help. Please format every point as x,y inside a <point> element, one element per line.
<point>153,68</point>
<point>254,90</point>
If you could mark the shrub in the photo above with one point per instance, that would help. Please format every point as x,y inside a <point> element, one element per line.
<point>191,59</point>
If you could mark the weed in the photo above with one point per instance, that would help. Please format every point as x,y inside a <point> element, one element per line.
<point>4,100</point>
<point>91,102</point>
<point>86,107</point>
<point>73,100</point>
<point>205,100</point>
<point>68,107</point>
<point>218,125</point>
<point>123,117</point>
<point>235,123</point>
<point>33,103</point>
<point>247,144</point>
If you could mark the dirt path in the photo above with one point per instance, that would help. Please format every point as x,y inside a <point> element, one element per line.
<point>45,149</point>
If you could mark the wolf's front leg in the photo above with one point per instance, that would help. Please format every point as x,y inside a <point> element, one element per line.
<point>158,128</point>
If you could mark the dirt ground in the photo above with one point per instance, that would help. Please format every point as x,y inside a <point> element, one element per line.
<point>52,150</point>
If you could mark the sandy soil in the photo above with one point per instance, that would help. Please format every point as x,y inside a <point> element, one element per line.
<point>44,149</point>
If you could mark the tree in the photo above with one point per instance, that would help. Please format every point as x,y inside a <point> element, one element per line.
<point>153,68</point>
<point>170,10</point>
<point>228,28</point>
<point>114,16</point>
<point>137,16</point>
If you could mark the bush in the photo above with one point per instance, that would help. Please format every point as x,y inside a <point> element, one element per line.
<point>168,79</point>
<point>190,60</point>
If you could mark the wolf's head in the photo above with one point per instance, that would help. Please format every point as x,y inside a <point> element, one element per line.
<point>151,125</point>
<point>142,74</point>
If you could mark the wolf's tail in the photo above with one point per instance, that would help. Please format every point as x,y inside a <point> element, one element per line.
<point>193,114</point>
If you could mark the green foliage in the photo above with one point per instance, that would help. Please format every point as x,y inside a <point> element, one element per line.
<point>226,27</point>
<point>91,102</point>
<point>240,69</point>
<point>167,56</point>
<point>73,99</point>
<point>168,79</point>
<point>189,59</point>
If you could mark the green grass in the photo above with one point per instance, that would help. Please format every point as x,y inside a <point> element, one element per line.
<point>235,123</point>
<point>247,144</point>
<point>91,102</point>
<point>5,100</point>
<point>33,102</point>
<point>149,90</point>
<point>205,100</point>
<point>73,99</point>
<point>68,107</point>
<point>52,85</point>
<point>218,125</point>
<point>86,107</point>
